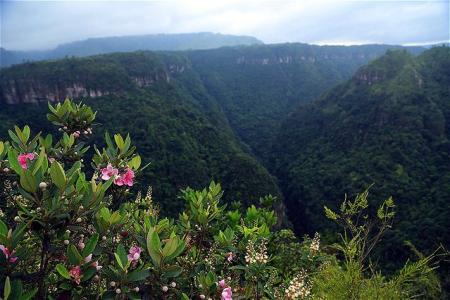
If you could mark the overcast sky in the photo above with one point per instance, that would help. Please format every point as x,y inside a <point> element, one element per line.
<point>29,24</point>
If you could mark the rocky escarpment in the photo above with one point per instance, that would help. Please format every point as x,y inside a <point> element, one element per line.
<point>86,78</point>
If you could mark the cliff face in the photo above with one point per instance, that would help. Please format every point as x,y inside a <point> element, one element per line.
<point>85,78</point>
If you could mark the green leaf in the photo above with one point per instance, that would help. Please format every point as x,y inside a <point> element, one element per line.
<point>62,271</point>
<point>3,228</point>
<point>7,288</point>
<point>154,246</point>
<point>29,295</point>
<point>90,245</point>
<point>172,271</point>
<point>28,181</point>
<point>170,247</point>
<point>40,160</point>
<point>74,256</point>
<point>122,255</point>
<point>57,174</point>
<point>2,147</point>
<point>119,261</point>
<point>13,162</point>
<point>119,141</point>
<point>135,162</point>
<point>184,297</point>
<point>26,133</point>
<point>88,274</point>
<point>138,275</point>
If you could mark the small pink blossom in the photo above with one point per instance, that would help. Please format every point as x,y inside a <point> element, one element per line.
<point>22,159</point>
<point>76,134</point>
<point>222,283</point>
<point>88,258</point>
<point>226,294</point>
<point>134,254</point>
<point>10,257</point>
<point>51,160</point>
<point>230,256</point>
<point>109,172</point>
<point>125,179</point>
<point>75,273</point>
<point>96,265</point>
<point>81,245</point>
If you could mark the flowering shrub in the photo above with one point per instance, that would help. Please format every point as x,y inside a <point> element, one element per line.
<point>66,236</point>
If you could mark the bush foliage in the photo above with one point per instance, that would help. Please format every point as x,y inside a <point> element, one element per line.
<point>72,228</point>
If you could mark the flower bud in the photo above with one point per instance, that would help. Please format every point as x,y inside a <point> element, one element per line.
<point>66,242</point>
<point>165,289</point>
<point>68,231</point>
<point>38,209</point>
<point>96,277</point>
<point>79,220</point>
<point>202,296</point>
<point>16,218</point>
<point>103,238</point>
<point>173,284</point>
<point>42,185</point>
<point>118,291</point>
<point>112,283</point>
<point>6,170</point>
<point>136,289</point>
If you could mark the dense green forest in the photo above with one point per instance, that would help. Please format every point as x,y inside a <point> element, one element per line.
<point>387,126</point>
<point>244,115</point>
<point>173,121</point>
<point>257,87</point>
<point>187,120</point>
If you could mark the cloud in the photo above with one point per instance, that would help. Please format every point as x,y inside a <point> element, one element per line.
<point>44,24</point>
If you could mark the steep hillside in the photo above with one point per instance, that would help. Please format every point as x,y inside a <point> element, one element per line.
<point>388,126</point>
<point>159,100</point>
<point>155,42</point>
<point>259,86</point>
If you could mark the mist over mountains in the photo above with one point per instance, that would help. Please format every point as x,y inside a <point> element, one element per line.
<point>154,42</point>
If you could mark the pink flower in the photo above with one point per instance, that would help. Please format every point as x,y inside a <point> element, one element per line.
<point>229,256</point>
<point>22,159</point>
<point>96,265</point>
<point>222,283</point>
<point>88,258</point>
<point>134,254</point>
<point>76,134</point>
<point>75,273</point>
<point>81,245</point>
<point>109,172</point>
<point>125,179</point>
<point>226,294</point>
<point>10,257</point>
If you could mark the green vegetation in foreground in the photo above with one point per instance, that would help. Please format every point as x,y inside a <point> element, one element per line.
<point>67,235</point>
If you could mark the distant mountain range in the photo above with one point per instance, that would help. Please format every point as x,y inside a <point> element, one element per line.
<point>154,42</point>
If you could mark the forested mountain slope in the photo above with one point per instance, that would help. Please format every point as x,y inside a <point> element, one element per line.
<point>388,126</point>
<point>159,100</point>
<point>258,86</point>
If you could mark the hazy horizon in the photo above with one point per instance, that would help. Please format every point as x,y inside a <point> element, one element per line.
<point>43,25</point>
